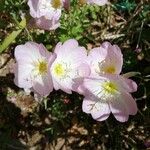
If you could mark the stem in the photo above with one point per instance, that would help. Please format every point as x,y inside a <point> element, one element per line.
<point>11,37</point>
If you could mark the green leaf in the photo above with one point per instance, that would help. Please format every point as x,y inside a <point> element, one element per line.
<point>10,38</point>
<point>131,74</point>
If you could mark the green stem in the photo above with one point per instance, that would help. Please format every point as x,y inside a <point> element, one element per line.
<point>11,37</point>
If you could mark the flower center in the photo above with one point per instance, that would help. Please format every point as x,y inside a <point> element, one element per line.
<point>59,70</point>
<point>42,67</point>
<point>56,4</point>
<point>110,69</point>
<point>82,2</point>
<point>109,87</point>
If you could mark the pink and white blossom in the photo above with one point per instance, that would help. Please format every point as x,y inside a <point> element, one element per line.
<point>97,2</point>
<point>106,59</point>
<point>109,93</point>
<point>46,24</point>
<point>69,65</point>
<point>45,8</point>
<point>46,12</point>
<point>32,68</point>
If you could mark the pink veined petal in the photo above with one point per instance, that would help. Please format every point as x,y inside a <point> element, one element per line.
<point>47,24</point>
<point>118,58</point>
<point>121,117</point>
<point>103,117</point>
<point>72,50</point>
<point>119,109</point>
<point>101,2</point>
<point>98,2</point>
<point>51,60</point>
<point>131,86</point>
<point>58,48</point>
<point>59,83</point>
<point>22,75</point>
<point>100,110</point>
<point>28,52</point>
<point>33,4</point>
<point>44,52</point>
<point>22,53</point>
<point>130,103</point>
<point>114,57</point>
<point>87,105</point>
<point>70,44</point>
<point>97,54</point>
<point>58,86</point>
<point>124,84</point>
<point>65,85</point>
<point>95,108</point>
<point>95,57</point>
<point>43,85</point>
<point>54,15</point>
<point>75,56</point>
<point>67,47</point>
<point>78,56</point>
<point>71,54</point>
<point>106,45</point>
<point>84,70</point>
<point>78,86</point>
<point>93,86</point>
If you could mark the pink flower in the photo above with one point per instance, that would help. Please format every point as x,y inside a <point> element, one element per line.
<point>109,93</point>
<point>46,12</point>
<point>32,68</point>
<point>98,2</point>
<point>106,59</point>
<point>46,8</point>
<point>46,24</point>
<point>69,65</point>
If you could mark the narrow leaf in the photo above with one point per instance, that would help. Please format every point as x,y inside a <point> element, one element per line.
<point>11,37</point>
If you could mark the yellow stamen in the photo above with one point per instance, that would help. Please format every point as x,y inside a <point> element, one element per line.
<point>82,2</point>
<point>56,4</point>
<point>59,70</point>
<point>110,87</point>
<point>110,69</point>
<point>42,67</point>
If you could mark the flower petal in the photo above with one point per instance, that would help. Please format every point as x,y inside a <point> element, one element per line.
<point>47,24</point>
<point>95,108</point>
<point>131,86</point>
<point>103,117</point>
<point>98,2</point>
<point>130,103</point>
<point>83,70</point>
<point>87,105</point>
<point>66,88</point>
<point>95,57</point>
<point>119,109</point>
<point>114,57</point>
<point>27,52</point>
<point>33,4</point>
<point>93,86</point>
<point>43,85</point>
<point>23,75</point>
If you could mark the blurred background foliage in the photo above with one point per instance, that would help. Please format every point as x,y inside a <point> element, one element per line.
<point>58,122</point>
